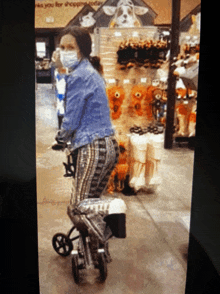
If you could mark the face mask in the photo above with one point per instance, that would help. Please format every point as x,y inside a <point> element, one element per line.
<point>68,58</point>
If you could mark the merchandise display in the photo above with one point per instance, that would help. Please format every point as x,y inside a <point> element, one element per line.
<point>147,53</point>
<point>186,115</point>
<point>42,64</point>
<point>146,156</point>
<point>135,68</point>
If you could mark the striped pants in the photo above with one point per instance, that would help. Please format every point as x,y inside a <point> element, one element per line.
<point>95,163</point>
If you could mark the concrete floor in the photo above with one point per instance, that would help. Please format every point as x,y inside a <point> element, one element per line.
<point>153,256</point>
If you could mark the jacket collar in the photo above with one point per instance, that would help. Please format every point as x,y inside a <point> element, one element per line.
<point>82,60</point>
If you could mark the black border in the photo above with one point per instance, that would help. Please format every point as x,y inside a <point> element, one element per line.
<point>18,223</point>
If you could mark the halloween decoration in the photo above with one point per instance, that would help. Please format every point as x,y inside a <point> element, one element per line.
<point>181,93</point>
<point>124,14</point>
<point>138,93</point>
<point>139,160</point>
<point>120,172</point>
<point>158,105</point>
<point>192,124</point>
<point>147,103</point>
<point>147,53</point>
<point>191,48</point>
<point>182,112</point>
<point>116,96</point>
<point>145,158</point>
<point>87,20</point>
<point>155,146</point>
<point>192,121</point>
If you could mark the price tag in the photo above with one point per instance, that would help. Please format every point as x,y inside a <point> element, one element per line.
<point>126,81</point>
<point>111,81</point>
<point>185,102</point>
<point>117,34</point>
<point>143,80</point>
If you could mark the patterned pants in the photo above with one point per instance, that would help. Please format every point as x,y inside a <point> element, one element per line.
<point>95,163</point>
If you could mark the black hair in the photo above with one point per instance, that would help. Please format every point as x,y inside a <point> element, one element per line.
<point>95,61</point>
<point>84,42</point>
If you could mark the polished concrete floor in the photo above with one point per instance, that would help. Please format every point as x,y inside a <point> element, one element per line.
<point>153,256</point>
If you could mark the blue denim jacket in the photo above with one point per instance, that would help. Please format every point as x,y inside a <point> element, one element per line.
<point>87,115</point>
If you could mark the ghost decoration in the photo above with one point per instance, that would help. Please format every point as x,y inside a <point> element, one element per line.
<point>87,20</point>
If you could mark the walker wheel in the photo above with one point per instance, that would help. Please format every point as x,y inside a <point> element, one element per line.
<point>62,244</point>
<point>75,268</point>
<point>102,267</point>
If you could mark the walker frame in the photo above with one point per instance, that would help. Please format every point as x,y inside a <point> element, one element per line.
<point>80,252</point>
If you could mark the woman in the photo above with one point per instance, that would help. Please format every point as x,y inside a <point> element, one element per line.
<point>86,124</point>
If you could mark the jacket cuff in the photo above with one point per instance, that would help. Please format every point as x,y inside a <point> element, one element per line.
<point>62,136</point>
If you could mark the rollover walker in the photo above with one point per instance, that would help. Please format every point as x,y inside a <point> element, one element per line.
<point>96,220</point>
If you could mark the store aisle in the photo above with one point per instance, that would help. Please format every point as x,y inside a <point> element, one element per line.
<point>152,258</point>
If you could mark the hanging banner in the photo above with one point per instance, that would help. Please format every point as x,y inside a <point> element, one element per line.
<point>63,11</point>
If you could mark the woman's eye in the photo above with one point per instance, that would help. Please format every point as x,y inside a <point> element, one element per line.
<point>70,47</point>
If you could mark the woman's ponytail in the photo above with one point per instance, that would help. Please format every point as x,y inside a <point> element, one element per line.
<point>95,61</point>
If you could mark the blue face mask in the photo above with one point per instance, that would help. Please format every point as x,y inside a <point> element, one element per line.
<point>69,58</point>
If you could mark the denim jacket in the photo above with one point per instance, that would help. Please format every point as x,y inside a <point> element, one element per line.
<point>87,115</point>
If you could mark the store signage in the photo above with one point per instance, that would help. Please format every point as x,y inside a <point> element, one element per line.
<point>67,4</point>
<point>124,14</point>
<point>143,80</point>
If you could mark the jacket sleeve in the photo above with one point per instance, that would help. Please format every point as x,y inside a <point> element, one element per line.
<point>76,96</point>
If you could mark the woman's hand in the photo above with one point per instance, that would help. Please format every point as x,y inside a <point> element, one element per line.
<point>62,70</point>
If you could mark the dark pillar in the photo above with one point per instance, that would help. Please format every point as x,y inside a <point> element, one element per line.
<point>174,51</point>
<point>51,45</point>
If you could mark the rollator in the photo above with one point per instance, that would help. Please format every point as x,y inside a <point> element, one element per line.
<point>95,221</point>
